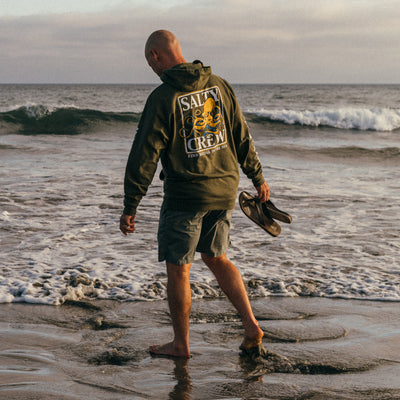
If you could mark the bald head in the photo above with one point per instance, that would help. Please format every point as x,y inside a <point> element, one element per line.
<point>162,40</point>
<point>163,51</point>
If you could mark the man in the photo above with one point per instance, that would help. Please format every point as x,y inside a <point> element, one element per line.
<point>194,124</point>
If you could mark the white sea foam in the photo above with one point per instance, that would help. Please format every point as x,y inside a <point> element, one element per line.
<point>5,216</point>
<point>375,119</point>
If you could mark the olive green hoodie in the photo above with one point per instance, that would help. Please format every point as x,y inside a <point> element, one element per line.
<point>193,122</point>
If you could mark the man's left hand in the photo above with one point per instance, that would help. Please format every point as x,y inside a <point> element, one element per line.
<point>263,192</point>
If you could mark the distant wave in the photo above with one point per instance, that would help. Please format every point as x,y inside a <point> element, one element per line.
<point>386,154</point>
<point>42,119</point>
<point>374,119</point>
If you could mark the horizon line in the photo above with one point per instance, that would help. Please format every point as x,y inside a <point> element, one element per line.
<point>232,83</point>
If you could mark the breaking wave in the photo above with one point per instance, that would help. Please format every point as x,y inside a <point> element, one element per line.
<point>365,119</point>
<point>35,119</point>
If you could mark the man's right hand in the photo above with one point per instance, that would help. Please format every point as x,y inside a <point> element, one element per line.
<point>127,224</point>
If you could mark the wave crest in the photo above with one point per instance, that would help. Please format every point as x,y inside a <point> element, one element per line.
<point>68,120</point>
<point>374,119</point>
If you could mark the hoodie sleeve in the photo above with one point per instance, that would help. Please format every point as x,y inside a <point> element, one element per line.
<point>246,152</point>
<point>150,140</point>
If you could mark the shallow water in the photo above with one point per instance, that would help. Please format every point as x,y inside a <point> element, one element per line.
<point>62,195</point>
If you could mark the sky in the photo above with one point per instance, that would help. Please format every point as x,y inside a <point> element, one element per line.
<point>245,41</point>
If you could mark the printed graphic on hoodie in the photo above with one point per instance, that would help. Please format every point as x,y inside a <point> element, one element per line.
<point>203,121</point>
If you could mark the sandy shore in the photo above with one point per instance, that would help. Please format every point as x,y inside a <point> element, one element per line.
<point>316,349</point>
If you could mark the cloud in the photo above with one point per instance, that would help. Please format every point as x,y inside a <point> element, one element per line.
<point>70,47</point>
<point>271,41</point>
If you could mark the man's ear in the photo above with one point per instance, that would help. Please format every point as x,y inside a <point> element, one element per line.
<point>155,54</point>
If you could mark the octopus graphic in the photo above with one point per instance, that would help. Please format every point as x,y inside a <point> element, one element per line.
<point>204,123</point>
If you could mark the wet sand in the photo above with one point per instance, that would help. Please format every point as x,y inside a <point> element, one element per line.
<point>316,349</point>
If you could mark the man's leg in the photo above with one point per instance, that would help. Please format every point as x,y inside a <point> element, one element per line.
<point>179,301</point>
<point>231,283</point>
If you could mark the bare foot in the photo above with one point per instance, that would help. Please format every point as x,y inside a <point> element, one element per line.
<point>253,340</point>
<point>170,350</point>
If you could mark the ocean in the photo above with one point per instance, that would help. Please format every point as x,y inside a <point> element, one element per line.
<point>330,153</point>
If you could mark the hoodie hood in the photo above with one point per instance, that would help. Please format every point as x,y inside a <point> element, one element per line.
<point>187,77</point>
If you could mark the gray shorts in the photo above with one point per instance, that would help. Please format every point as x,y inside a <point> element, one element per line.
<point>182,233</point>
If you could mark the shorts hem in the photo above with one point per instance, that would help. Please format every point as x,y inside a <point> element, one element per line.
<point>179,262</point>
<point>209,254</point>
